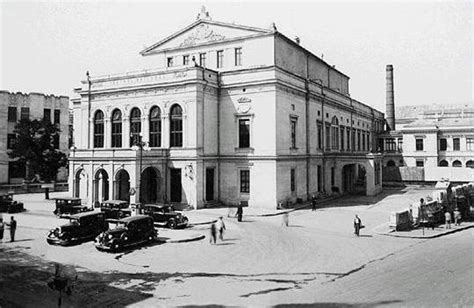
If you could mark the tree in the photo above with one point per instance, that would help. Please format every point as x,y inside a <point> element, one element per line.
<point>36,146</point>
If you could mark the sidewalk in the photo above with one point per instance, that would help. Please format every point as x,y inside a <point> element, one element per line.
<point>419,233</point>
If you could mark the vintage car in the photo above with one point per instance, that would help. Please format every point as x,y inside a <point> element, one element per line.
<point>69,206</point>
<point>129,232</point>
<point>7,204</point>
<point>115,209</point>
<point>81,227</point>
<point>165,215</point>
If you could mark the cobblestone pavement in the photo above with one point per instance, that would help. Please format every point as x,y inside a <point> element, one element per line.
<point>260,261</point>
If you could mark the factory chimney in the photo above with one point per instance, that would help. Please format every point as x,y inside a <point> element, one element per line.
<point>390,100</point>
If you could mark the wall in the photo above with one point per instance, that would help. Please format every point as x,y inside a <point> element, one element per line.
<point>429,174</point>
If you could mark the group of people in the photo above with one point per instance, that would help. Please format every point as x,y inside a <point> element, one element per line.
<point>11,224</point>
<point>457,218</point>
<point>216,227</point>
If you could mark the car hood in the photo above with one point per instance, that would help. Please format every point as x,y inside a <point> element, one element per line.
<point>68,226</point>
<point>116,231</point>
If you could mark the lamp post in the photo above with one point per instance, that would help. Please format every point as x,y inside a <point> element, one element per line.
<point>139,145</point>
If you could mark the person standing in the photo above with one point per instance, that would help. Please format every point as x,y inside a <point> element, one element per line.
<point>221,228</point>
<point>447,217</point>
<point>357,224</point>
<point>313,203</point>
<point>457,217</point>
<point>213,233</point>
<point>2,228</point>
<point>240,211</point>
<point>12,226</point>
<point>286,219</point>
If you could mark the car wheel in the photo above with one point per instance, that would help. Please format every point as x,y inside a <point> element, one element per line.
<point>115,246</point>
<point>171,224</point>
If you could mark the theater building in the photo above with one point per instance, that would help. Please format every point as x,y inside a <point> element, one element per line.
<point>229,114</point>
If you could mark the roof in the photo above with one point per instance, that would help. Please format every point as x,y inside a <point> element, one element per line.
<point>84,214</point>
<point>441,123</point>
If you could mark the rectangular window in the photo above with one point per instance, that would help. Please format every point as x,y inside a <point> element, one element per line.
<point>320,135</point>
<point>353,139</point>
<point>11,141</point>
<point>420,163</point>
<point>358,140</point>
<point>348,135</point>
<point>456,144</point>
<point>169,62</point>
<point>293,133</point>
<point>363,141</point>
<point>47,115</point>
<point>443,144</point>
<point>57,115</point>
<point>470,144</point>
<point>220,58</point>
<point>25,113</point>
<point>185,59</point>
<point>328,136</point>
<point>245,181</point>
<point>419,144</point>
<point>292,180</point>
<point>11,114</point>
<point>244,133</point>
<point>202,59</point>
<point>342,131</point>
<point>117,134</point>
<point>238,56</point>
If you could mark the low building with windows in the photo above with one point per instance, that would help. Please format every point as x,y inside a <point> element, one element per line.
<point>38,106</point>
<point>231,114</point>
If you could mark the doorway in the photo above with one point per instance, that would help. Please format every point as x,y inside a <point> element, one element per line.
<point>175,185</point>
<point>209,184</point>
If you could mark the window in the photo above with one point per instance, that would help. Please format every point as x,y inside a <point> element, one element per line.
<point>116,129</point>
<point>176,126</point>
<point>333,176</point>
<point>185,59</point>
<point>202,59</point>
<point>334,133</point>
<point>470,164</point>
<point>16,169</point>
<point>470,144</point>
<point>25,113</point>
<point>353,139</point>
<point>342,137</point>
<point>420,163</point>
<point>11,141</point>
<point>293,133</point>
<point>244,133</point>
<point>443,144</point>
<point>328,136</point>
<point>57,114</point>
<point>390,163</point>
<point>456,144</point>
<point>457,164</point>
<point>47,115</point>
<point>245,181</point>
<point>220,58</point>
<point>155,127</point>
<point>390,144</point>
<point>99,129</point>
<point>363,141</point>
<point>320,135</point>
<point>11,114</point>
<point>443,163</point>
<point>348,135</point>
<point>238,56</point>
<point>135,126</point>
<point>419,144</point>
<point>169,62</point>
<point>292,180</point>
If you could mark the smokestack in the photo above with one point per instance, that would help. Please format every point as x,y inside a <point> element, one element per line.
<point>390,100</point>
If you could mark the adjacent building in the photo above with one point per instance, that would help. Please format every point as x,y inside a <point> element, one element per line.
<point>18,106</point>
<point>229,114</point>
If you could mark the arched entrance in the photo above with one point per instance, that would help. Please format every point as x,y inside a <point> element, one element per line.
<point>101,186</point>
<point>360,186</point>
<point>150,186</point>
<point>122,186</point>
<point>80,184</point>
<point>348,178</point>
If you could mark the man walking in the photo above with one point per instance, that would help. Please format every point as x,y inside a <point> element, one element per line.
<point>221,228</point>
<point>240,211</point>
<point>286,219</point>
<point>447,217</point>
<point>213,233</point>
<point>12,226</point>
<point>457,217</point>
<point>313,203</point>
<point>357,224</point>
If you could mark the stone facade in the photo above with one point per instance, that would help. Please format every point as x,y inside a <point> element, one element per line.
<point>33,106</point>
<point>262,121</point>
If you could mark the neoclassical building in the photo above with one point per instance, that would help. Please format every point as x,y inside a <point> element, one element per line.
<point>229,114</point>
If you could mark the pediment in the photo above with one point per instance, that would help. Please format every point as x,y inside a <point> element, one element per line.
<point>203,32</point>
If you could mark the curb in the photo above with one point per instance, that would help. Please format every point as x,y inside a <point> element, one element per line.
<point>424,237</point>
<point>189,239</point>
<point>202,223</point>
<point>291,210</point>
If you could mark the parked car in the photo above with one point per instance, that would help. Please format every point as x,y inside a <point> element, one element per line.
<point>115,209</point>
<point>81,227</point>
<point>7,204</point>
<point>69,206</point>
<point>129,232</point>
<point>165,215</point>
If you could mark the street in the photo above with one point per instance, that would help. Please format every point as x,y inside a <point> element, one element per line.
<point>316,260</point>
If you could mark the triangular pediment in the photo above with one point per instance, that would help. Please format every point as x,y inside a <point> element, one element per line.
<point>203,32</point>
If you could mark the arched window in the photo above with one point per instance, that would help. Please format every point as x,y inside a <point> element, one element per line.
<point>155,127</point>
<point>457,163</point>
<point>135,126</point>
<point>390,163</point>
<point>335,133</point>
<point>176,126</point>
<point>443,163</point>
<point>116,129</point>
<point>470,164</point>
<point>99,129</point>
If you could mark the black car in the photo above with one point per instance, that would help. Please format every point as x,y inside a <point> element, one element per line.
<point>115,209</point>
<point>165,215</point>
<point>81,227</point>
<point>129,232</point>
<point>7,204</point>
<point>69,206</point>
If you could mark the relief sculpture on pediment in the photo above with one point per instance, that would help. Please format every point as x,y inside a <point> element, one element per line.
<point>201,34</point>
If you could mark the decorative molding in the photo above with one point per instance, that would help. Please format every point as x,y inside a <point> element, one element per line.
<point>201,34</point>
<point>244,100</point>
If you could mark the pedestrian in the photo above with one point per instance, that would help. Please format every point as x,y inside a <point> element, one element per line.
<point>240,211</point>
<point>12,226</point>
<point>431,221</point>
<point>357,225</point>
<point>313,203</point>
<point>286,219</point>
<point>213,233</point>
<point>457,217</point>
<point>2,228</point>
<point>221,228</point>
<point>447,217</point>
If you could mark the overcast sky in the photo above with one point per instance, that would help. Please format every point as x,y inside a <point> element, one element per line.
<point>48,46</point>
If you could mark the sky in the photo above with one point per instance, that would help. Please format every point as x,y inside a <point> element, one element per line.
<point>47,46</point>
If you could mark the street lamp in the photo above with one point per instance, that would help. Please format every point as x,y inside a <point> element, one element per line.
<point>139,145</point>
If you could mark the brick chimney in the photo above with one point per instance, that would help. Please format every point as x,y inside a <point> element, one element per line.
<point>390,100</point>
